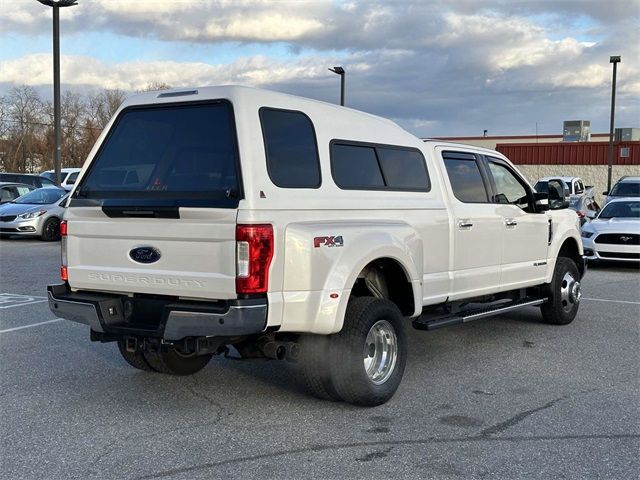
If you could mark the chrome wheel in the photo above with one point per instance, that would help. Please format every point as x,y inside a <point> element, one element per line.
<point>380,352</point>
<point>570,292</point>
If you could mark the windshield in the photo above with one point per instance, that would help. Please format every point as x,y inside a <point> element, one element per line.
<point>178,155</point>
<point>574,201</point>
<point>626,189</point>
<point>630,209</point>
<point>41,196</point>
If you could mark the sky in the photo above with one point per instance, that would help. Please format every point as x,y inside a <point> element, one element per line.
<point>438,68</point>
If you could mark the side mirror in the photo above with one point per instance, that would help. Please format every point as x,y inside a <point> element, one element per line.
<point>558,195</point>
<point>605,192</point>
<point>542,201</point>
<point>501,198</point>
<point>591,214</point>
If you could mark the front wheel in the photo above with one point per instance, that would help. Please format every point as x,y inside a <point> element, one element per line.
<point>369,354</point>
<point>51,230</point>
<point>562,304</point>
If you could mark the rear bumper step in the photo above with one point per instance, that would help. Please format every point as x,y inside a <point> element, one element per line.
<point>431,323</point>
<point>168,319</point>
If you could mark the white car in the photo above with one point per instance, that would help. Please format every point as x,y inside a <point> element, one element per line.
<point>68,177</point>
<point>615,233</point>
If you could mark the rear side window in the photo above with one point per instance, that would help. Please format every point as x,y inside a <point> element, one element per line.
<point>465,177</point>
<point>169,155</point>
<point>355,167</point>
<point>291,148</point>
<point>403,168</point>
<point>364,166</point>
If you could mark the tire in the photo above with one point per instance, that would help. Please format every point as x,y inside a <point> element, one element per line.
<point>354,356</point>
<point>564,296</point>
<point>135,359</point>
<point>51,230</point>
<point>315,364</point>
<point>170,361</point>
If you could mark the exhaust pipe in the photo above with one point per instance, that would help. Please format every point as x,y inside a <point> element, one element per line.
<point>275,350</point>
<point>293,351</point>
<point>281,350</point>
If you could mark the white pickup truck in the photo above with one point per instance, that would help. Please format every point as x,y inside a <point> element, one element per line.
<point>289,228</point>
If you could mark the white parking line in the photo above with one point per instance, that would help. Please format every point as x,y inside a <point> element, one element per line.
<point>29,326</point>
<point>10,300</point>
<point>610,301</point>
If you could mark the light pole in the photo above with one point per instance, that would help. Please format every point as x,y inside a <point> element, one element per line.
<point>56,5</point>
<point>615,60</point>
<point>340,71</point>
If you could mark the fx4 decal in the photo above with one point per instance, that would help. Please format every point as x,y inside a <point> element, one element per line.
<point>328,241</point>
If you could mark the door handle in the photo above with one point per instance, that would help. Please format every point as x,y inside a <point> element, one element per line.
<point>510,222</point>
<point>465,224</point>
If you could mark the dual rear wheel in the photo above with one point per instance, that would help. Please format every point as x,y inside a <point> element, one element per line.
<point>168,360</point>
<point>363,364</point>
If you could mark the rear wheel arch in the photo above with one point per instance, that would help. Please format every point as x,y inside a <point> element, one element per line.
<point>387,278</point>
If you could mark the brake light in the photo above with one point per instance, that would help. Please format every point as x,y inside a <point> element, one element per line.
<point>64,274</point>
<point>580,213</point>
<point>254,251</point>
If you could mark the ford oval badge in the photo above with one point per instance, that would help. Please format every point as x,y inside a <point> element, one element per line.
<point>144,254</point>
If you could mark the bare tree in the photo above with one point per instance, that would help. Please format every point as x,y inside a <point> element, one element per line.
<point>103,105</point>
<point>25,123</point>
<point>153,86</point>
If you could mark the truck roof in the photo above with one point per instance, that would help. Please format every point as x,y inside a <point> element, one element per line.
<point>241,96</point>
<point>458,145</point>
<point>338,121</point>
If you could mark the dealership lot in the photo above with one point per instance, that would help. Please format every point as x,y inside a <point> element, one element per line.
<point>507,397</point>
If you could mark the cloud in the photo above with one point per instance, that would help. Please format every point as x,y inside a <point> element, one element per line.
<point>437,67</point>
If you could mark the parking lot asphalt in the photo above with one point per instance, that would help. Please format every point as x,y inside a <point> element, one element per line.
<point>508,397</point>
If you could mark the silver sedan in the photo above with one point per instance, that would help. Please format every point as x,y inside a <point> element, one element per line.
<point>37,214</point>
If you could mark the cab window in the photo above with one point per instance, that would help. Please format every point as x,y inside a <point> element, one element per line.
<point>465,177</point>
<point>508,187</point>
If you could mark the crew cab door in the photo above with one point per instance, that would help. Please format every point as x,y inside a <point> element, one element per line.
<point>476,227</point>
<point>524,233</point>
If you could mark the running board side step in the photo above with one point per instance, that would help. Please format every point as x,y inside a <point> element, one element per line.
<point>431,323</point>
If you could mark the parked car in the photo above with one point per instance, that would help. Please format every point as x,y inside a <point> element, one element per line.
<point>296,229</point>
<point>575,185</point>
<point>585,205</point>
<point>68,177</point>
<point>35,181</point>
<point>10,191</point>
<point>36,214</point>
<point>625,187</point>
<point>615,233</point>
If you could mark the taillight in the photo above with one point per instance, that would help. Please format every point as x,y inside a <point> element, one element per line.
<point>63,251</point>
<point>580,213</point>
<point>254,251</point>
